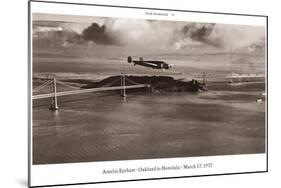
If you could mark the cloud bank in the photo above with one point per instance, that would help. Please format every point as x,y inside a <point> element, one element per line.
<point>167,34</point>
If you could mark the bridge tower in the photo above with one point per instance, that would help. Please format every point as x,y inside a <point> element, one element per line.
<point>54,100</point>
<point>240,80</point>
<point>204,77</point>
<point>123,84</point>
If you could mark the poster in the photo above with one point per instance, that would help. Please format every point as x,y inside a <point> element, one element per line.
<point>131,93</point>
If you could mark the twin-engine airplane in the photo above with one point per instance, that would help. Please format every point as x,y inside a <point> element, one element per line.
<point>152,64</point>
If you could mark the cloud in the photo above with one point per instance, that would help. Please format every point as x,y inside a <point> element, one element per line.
<point>196,35</point>
<point>54,37</point>
<point>238,36</point>
<point>198,32</point>
<point>178,35</point>
<point>169,35</point>
<point>98,34</point>
<point>221,36</point>
<point>130,32</point>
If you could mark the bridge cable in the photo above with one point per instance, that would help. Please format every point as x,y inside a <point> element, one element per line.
<point>38,88</point>
<point>133,82</point>
<point>111,83</point>
<point>67,85</point>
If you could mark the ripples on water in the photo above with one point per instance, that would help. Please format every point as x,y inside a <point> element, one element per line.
<point>98,127</point>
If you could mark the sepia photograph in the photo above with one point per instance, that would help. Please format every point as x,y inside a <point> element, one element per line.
<point>111,89</point>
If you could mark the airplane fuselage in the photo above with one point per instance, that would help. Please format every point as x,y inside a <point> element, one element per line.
<point>151,64</point>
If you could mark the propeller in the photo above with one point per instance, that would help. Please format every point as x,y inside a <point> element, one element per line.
<point>129,59</point>
<point>171,65</point>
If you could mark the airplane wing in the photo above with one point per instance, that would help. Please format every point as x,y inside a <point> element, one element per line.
<point>146,64</point>
<point>155,62</point>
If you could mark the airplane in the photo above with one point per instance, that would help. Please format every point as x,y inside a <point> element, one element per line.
<point>152,64</point>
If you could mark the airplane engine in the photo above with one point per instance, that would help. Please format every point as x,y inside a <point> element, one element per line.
<point>166,66</point>
<point>129,59</point>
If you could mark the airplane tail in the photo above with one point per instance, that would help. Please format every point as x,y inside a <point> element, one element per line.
<point>129,59</point>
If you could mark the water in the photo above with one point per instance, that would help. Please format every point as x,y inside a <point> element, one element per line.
<point>100,127</point>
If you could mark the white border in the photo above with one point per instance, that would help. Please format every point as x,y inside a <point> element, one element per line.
<point>93,172</point>
<point>103,11</point>
<point>72,173</point>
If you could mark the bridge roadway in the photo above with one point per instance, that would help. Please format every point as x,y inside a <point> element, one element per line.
<point>73,92</point>
<point>245,76</point>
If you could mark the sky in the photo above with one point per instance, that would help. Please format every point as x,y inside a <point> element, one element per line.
<point>154,34</point>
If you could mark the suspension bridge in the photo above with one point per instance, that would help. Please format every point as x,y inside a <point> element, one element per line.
<point>54,94</point>
<point>237,79</point>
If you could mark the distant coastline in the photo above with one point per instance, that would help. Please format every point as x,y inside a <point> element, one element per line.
<point>158,84</point>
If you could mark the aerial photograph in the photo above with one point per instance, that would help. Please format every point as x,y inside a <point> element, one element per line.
<point>110,88</point>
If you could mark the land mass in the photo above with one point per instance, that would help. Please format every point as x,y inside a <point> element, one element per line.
<point>157,83</point>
